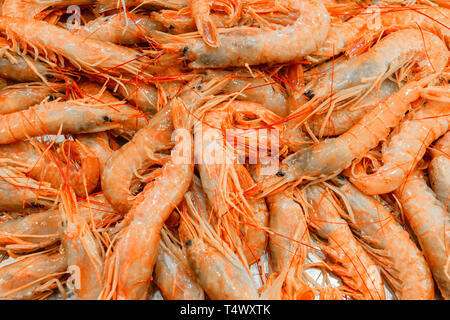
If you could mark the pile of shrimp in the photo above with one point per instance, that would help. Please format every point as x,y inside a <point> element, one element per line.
<point>225,149</point>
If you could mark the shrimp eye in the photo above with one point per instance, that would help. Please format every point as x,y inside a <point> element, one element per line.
<point>50,97</point>
<point>171,27</point>
<point>280,174</point>
<point>199,87</point>
<point>188,243</point>
<point>106,119</point>
<point>340,177</point>
<point>185,50</point>
<point>309,94</point>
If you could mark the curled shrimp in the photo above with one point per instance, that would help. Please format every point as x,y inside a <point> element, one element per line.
<point>430,224</point>
<point>406,148</point>
<point>242,46</point>
<point>23,95</point>
<point>358,271</point>
<point>136,249</point>
<point>401,262</point>
<point>331,156</point>
<point>30,8</point>
<point>439,170</point>
<point>99,144</point>
<point>32,276</point>
<point>121,28</point>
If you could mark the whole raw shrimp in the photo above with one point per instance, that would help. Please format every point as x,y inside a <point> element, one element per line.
<point>82,248</point>
<point>136,250</point>
<point>73,116</point>
<point>32,276</point>
<point>361,277</point>
<point>30,8</point>
<point>401,262</point>
<point>22,68</point>
<point>19,192</point>
<point>106,5</point>
<point>439,170</point>
<point>218,269</point>
<point>99,144</point>
<point>242,46</point>
<point>20,96</point>
<point>121,28</point>
<point>430,223</point>
<point>406,148</point>
<point>173,276</point>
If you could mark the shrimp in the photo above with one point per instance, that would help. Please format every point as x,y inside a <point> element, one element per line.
<point>41,229</point>
<point>360,73</point>
<point>405,149</point>
<point>22,69</point>
<point>73,163</point>
<point>143,96</point>
<point>205,25</point>
<point>439,170</point>
<point>32,276</point>
<point>242,46</point>
<point>256,87</point>
<point>333,155</point>
<point>369,24</point>
<point>19,192</point>
<point>81,247</point>
<point>106,5</point>
<point>75,116</point>
<point>218,269</point>
<point>20,96</point>
<point>99,144</point>
<point>173,276</point>
<point>430,224</point>
<point>85,54</point>
<point>358,271</point>
<point>401,262</point>
<point>146,148</point>
<point>121,28</point>
<point>325,125</point>
<point>30,8</point>
<point>136,250</point>
<point>216,159</point>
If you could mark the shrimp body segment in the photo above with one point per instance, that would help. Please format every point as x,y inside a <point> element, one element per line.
<point>439,170</point>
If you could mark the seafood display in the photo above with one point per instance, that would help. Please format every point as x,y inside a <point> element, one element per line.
<point>225,149</point>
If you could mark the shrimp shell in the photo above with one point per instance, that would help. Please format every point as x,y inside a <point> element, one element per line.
<point>439,170</point>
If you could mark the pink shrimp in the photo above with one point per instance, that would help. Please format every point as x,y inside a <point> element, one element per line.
<point>430,224</point>
<point>401,262</point>
<point>358,271</point>
<point>135,252</point>
<point>439,170</point>
<point>242,46</point>
<point>405,149</point>
<point>21,96</point>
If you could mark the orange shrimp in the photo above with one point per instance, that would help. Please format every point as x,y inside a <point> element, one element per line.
<point>81,247</point>
<point>73,163</point>
<point>286,246</point>
<point>370,23</point>
<point>242,46</point>
<point>406,148</point>
<point>121,28</point>
<point>172,274</point>
<point>41,229</point>
<point>85,54</point>
<point>218,269</point>
<point>30,8</point>
<point>99,144</point>
<point>106,5</point>
<point>23,95</point>
<point>143,96</point>
<point>32,276</point>
<point>22,68</point>
<point>331,156</point>
<point>401,262</point>
<point>216,158</point>
<point>205,25</point>
<point>135,252</point>
<point>74,116</point>
<point>430,224</point>
<point>439,170</point>
<point>358,271</point>
<point>19,192</point>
